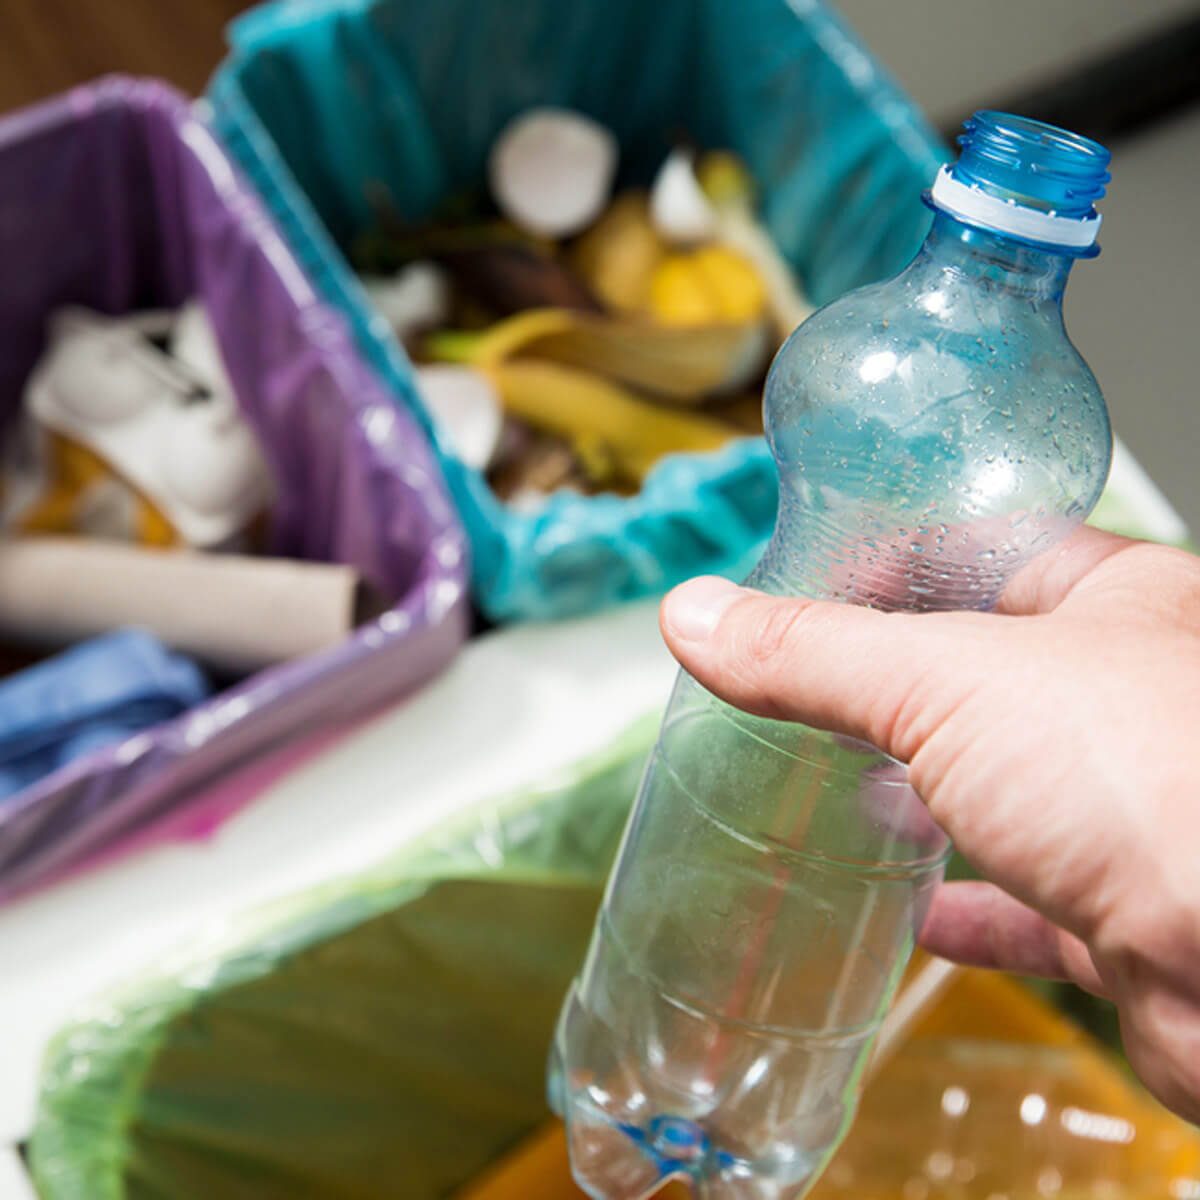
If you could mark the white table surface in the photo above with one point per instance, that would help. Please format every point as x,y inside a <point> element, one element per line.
<point>513,706</point>
<point>14,1180</point>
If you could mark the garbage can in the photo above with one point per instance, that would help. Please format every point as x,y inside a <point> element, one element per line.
<point>117,197</point>
<point>335,105</point>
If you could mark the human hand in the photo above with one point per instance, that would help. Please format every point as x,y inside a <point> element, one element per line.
<point>1051,740</point>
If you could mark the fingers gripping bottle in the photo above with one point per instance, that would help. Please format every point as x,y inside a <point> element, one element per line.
<point>933,434</point>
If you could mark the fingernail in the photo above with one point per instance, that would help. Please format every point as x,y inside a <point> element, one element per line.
<point>694,609</point>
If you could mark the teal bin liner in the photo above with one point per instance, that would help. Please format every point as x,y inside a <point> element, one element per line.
<point>332,106</point>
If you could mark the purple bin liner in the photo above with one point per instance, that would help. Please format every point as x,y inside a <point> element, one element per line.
<point>116,196</point>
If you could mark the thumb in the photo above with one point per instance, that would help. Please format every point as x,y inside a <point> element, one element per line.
<point>886,678</point>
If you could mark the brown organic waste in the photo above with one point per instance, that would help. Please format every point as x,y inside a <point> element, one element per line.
<point>645,333</point>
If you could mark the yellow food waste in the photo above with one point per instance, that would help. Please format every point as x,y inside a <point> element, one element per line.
<point>707,286</point>
<point>682,363</point>
<point>617,257</point>
<point>944,1120</point>
<point>631,269</point>
<point>590,412</point>
<point>723,178</point>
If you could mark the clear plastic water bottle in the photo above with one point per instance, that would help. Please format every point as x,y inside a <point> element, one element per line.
<point>933,434</point>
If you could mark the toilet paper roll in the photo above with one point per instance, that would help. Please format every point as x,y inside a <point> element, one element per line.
<point>230,612</point>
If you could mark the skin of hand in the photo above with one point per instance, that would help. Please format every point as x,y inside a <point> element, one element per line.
<point>1051,739</point>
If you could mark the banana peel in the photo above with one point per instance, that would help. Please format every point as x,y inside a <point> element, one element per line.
<point>681,363</point>
<point>618,255</point>
<point>594,413</point>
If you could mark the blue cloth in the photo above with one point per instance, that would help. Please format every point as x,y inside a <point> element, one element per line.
<point>90,696</point>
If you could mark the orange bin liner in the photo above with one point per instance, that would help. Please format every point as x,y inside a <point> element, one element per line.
<point>981,1013</point>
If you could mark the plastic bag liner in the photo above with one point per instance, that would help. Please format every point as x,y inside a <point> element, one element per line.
<point>117,197</point>
<point>382,1037</point>
<point>337,106</point>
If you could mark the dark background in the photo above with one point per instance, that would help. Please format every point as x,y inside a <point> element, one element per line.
<point>49,45</point>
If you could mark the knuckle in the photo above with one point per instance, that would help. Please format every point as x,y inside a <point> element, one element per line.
<point>771,634</point>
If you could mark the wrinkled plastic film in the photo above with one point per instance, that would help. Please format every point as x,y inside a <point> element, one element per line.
<point>358,101</point>
<point>117,197</point>
<point>384,1035</point>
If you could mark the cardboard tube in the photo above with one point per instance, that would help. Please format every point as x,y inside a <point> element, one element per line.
<point>230,612</point>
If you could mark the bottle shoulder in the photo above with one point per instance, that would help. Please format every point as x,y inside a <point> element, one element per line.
<point>893,402</point>
<point>905,348</point>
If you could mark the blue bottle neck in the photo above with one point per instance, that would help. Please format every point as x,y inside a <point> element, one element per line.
<point>1005,265</point>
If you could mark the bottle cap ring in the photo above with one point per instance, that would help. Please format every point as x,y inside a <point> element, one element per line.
<point>976,207</point>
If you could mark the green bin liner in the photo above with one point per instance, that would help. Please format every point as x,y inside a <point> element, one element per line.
<point>384,1036</point>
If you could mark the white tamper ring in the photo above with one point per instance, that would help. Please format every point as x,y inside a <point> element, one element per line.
<point>977,207</point>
